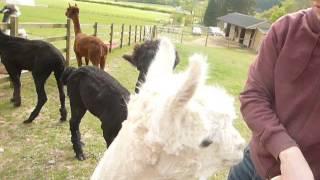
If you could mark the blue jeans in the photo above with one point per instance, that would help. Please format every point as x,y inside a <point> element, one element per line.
<point>244,170</point>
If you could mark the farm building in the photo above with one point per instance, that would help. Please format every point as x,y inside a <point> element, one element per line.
<point>247,30</point>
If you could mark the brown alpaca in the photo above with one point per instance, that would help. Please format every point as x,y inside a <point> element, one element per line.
<point>89,47</point>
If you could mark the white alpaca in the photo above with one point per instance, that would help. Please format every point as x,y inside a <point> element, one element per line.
<point>177,127</point>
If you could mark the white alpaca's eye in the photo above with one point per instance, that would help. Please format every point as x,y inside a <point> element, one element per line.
<point>205,143</point>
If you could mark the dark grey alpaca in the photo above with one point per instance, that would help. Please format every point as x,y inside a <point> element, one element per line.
<point>92,89</point>
<point>39,57</point>
<point>142,57</point>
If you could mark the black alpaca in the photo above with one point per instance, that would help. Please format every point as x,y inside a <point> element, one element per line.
<point>142,57</point>
<point>39,57</point>
<point>90,88</point>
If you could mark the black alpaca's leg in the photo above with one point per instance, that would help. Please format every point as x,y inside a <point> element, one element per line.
<point>110,126</point>
<point>42,97</point>
<point>16,97</point>
<point>77,112</point>
<point>108,137</point>
<point>63,110</point>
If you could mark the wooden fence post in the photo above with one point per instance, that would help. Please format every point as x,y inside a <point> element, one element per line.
<point>207,36</point>
<point>121,38</point>
<point>135,33</point>
<point>140,33</point>
<point>129,43</point>
<point>181,36</point>
<point>14,26</point>
<point>111,37</point>
<point>95,29</point>
<point>154,32</point>
<point>144,33</point>
<point>68,42</point>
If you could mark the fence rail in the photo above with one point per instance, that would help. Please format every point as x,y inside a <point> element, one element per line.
<point>41,25</point>
<point>115,37</point>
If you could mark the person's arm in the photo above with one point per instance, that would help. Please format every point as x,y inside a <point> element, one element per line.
<point>258,96</point>
<point>257,109</point>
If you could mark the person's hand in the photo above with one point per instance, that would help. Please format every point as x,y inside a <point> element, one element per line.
<point>294,166</point>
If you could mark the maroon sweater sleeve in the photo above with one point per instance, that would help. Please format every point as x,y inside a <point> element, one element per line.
<point>258,97</point>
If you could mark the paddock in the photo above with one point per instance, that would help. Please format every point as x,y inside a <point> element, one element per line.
<point>43,150</point>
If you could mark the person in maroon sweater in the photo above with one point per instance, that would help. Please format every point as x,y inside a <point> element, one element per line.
<point>281,102</point>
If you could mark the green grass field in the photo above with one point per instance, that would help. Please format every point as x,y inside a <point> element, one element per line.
<point>43,150</point>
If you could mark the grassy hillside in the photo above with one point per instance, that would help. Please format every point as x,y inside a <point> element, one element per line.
<point>135,5</point>
<point>54,11</point>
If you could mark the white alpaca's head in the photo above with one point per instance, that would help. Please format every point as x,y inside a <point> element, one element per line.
<point>184,116</point>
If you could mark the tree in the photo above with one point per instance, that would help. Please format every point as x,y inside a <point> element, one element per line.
<point>217,8</point>
<point>285,7</point>
<point>262,5</point>
<point>211,14</point>
<point>241,6</point>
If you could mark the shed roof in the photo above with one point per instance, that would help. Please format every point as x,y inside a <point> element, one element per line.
<point>264,28</point>
<point>242,20</point>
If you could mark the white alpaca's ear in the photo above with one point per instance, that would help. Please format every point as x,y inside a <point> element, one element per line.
<point>196,75</point>
<point>163,61</point>
<point>164,125</point>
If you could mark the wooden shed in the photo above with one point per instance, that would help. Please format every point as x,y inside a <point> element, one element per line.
<point>247,30</point>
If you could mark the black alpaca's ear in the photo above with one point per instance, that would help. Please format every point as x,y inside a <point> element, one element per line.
<point>69,4</point>
<point>76,4</point>
<point>129,58</point>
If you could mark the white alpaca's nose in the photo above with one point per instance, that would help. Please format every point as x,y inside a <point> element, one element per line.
<point>241,145</point>
<point>239,142</point>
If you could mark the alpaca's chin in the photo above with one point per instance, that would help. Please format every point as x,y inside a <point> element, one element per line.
<point>231,161</point>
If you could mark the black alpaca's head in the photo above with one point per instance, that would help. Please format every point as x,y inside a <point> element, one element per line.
<point>9,10</point>
<point>142,56</point>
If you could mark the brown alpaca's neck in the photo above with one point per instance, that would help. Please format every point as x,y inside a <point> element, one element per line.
<point>76,24</point>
